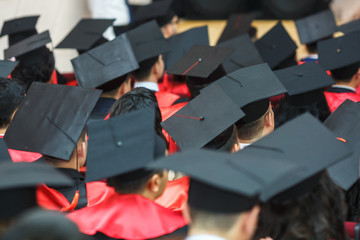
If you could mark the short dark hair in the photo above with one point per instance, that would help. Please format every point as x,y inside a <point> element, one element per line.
<point>249,131</point>
<point>144,69</point>
<point>37,71</point>
<point>12,93</point>
<point>225,141</point>
<point>345,74</point>
<point>114,84</point>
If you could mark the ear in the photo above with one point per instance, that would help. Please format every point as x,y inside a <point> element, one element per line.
<point>156,69</point>
<point>81,150</point>
<point>250,220</point>
<point>124,87</point>
<point>269,119</point>
<point>154,183</point>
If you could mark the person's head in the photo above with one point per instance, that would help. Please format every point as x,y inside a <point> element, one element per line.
<point>317,214</point>
<point>347,74</point>
<point>251,130</point>
<point>227,141</point>
<point>292,106</point>
<point>116,87</point>
<point>12,93</point>
<point>150,70</point>
<point>168,24</point>
<point>35,66</point>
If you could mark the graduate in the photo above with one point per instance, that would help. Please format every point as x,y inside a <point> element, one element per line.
<point>128,211</point>
<point>341,57</point>
<point>57,131</point>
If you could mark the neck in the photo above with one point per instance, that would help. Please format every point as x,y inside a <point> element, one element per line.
<point>151,78</point>
<point>2,131</point>
<point>109,95</point>
<point>351,83</point>
<point>195,231</point>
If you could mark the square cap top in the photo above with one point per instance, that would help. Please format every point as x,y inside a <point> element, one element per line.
<point>245,54</point>
<point>156,10</point>
<point>344,122</point>
<point>350,27</point>
<point>147,41</point>
<point>202,119</point>
<point>116,145</point>
<point>51,129</point>
<point>4,152</point>
<point>304,78</point>
<point>27,45</point>
<point>276,46</point>
<point>6,67</point>
<point>237,24</point>
<point>316,27</point>
<point>19,25</point>
<point>339,52</point>
<point>181,43</point>
<point>85,34</point>
<point>105,63</point>
<point>227,179</point>
<point>201,61</point>
<point>307,142</point>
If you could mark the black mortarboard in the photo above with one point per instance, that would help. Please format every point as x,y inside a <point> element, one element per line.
<point>237,24</point>
<point>85,34</point>
<point>245,54</point>
<point>339,52</point>
<point>159,10</point>
<point>276,46</point>
<point>202,119</point>
<point>147,41</point>
<point>344,122</point>
<point>51,119</point>
<point>350,27</point>
<point>227,183</point>
<point>302,81</point>
<point>18,183</point>
<point>20,28</point>
<point>6,67</point>
<point>316,27</point>
<point>105,63</point>
<point>200,61</point>
<point>181,43</point>
<point>304,140</point>
<point>250,88</point>
<point>4,153</point>
<point>121,144</point>
<point>27,45</point>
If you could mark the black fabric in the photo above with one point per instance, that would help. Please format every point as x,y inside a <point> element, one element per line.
<point>334,89</point>
<point>102,108</point>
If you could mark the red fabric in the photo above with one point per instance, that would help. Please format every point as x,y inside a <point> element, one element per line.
<point>127,216</point>
<point>170,86</point>
<point>334,100</point>
<point>350,229</point>
<point>54,77</point>
<point>51,199</point>
<point>166,99</point>
<point>175,195</point>
<point>22,156</point>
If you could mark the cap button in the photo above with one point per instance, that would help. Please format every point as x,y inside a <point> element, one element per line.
<point>201,118</point>
<point>119,143</point>
<point>338,50</point>
<point>200,60</point>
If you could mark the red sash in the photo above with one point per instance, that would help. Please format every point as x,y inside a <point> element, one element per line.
<point>170,86</point>
<point>334,100</point>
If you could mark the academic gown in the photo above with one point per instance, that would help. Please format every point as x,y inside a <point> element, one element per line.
<point>336,96</point>
<point>127,216</point>
<point>171,86</point>
<point>102,108</point>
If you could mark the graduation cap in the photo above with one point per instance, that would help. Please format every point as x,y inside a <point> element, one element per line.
<point>201,61</point>
<point>104,63</point>
<point>19,28</point>
<point>307,142</point>
<point>86,34</point>
<point>305,82</point>
<point>122,144</point>
<point>316,27</point>
<point>202,119</point>
<point>147,41</point>
<point>18,182</point>
<point>227,183</point>
<point>250,88</point>
<point>51,119</point>
<point>276,46</point>
<point>28,45</point>
<point>237,24</point>
<point>6,67</point>
<point>245,54</point>
<point>344,122</point>
<point>350,27</point>
<point>339,52</point>
<point>159,10</point>
<point>181,43</point>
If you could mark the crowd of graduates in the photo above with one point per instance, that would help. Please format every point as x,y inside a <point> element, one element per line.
<point>158,135</point>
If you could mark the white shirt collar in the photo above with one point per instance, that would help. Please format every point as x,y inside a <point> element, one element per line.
<point>244,145</point>
<point>343,86</point>
<point>204,236</point>
<point>149,85</point>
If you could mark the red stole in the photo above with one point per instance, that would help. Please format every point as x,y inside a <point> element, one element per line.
<point>334,100</point>
<point>22,156</point>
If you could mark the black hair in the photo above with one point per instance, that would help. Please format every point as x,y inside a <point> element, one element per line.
<point>318,214</point>
<point>249,131</point>
<point>114,84</point>
<point>345,74</point>
<point>311,47</point>
<point>144,69</point>
<point>35,66</point>
<point>12,93</point>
